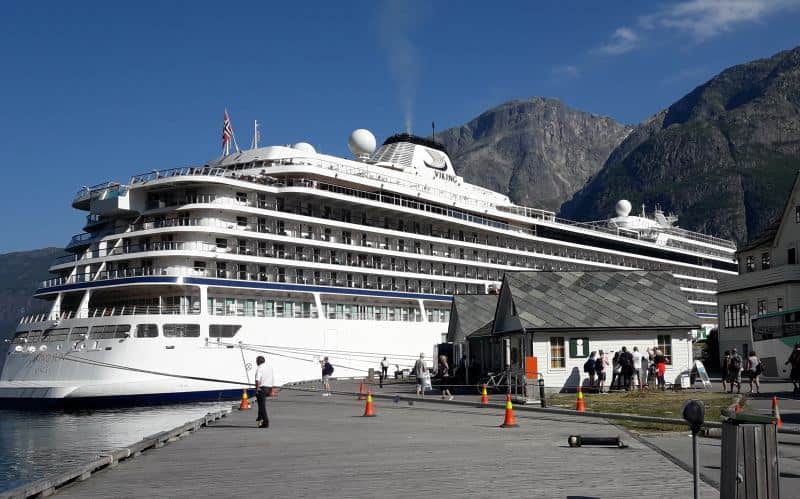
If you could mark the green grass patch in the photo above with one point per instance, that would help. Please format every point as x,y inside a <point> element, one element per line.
<point>667,404</point>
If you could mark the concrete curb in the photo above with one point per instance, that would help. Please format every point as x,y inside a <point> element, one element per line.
<point>49,485</point>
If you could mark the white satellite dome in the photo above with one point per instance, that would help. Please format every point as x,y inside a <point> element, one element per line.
<point>305,147</point>
<point>361,143</point>
<point>623,208</point>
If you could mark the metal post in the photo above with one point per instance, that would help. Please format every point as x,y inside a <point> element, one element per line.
<point>696,465</point>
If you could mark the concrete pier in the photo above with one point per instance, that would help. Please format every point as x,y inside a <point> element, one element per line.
<point>322,447</point>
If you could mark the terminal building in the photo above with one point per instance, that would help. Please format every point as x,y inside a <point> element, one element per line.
<point>759,309</point>
<point>561,317</point>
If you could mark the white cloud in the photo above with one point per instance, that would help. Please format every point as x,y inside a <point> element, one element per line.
<point>697,19</point>
<point>623,40</point>
<point>567,71</point>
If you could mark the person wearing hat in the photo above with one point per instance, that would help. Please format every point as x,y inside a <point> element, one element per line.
<point>262,391</point>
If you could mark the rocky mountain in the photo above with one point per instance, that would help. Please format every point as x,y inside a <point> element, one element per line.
<point>20,275</point>
<point>722,158</point>
<point>537,151</point>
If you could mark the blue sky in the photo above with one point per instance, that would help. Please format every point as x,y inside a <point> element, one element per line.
<point>95,91</point>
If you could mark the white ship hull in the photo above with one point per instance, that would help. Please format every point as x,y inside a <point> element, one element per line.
<point>150,370</point>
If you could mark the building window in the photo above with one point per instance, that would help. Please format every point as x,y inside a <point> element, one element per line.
<point>797,214</point>
<point>762,307</point>
<point>557,360</point>
<point>751,264</point>
<point>765,261</point>
<point>791,257</point>
<point>780,304</point>
<point>736,315</point>
<point>665,345</point>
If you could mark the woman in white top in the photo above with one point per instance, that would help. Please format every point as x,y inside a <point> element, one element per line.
<point>754,369</point>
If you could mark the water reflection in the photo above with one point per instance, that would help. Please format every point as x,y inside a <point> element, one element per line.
<point>36,444</point>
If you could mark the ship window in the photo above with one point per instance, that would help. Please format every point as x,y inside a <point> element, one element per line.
<point>241,197</point>
<point>222,243</point>
<point>181,330</point>
<point>110,331</point>
<point>223,330</point>
<point>21,337</point>
<point>59,334</point>
<point>79,333</point>
<point>147,331</point>
<point>241,221</point>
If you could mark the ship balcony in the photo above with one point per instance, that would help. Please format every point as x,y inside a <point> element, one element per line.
<point>325,278</point>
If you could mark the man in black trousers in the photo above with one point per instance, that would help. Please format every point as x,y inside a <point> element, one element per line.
<point>262,391</point>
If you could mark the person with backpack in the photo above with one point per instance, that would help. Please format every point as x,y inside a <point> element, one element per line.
<point>327,372</point>
<point>600,364</point>
<point>754,370</point>
<point>626,368</point>
<point>735,371</point>
<point>588,368</point>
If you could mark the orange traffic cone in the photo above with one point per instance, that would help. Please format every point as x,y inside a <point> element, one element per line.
<point>245,403</point>
<point>509,421</point>
<point>776,413</point>
<point>369,412</point>
<point>580,405</point>
<point>273,392</point>
<point>361,394</point>
<point>484,395</point>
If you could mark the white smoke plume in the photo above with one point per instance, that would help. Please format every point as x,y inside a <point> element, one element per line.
<point>397,21</point>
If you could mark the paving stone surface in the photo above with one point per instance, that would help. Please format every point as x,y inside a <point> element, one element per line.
<point>322,447</point>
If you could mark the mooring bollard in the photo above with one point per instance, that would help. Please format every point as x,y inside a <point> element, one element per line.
<point>580,441</point>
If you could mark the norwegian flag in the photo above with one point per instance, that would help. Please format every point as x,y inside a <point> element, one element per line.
<point>227,135</point>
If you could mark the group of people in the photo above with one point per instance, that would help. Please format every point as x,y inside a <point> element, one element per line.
<point>629,369</point>
<point>443,372</point>
<point>733,368</point>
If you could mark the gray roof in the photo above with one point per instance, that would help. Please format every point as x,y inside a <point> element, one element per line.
<point>468,314</point>
<point>599,299</point>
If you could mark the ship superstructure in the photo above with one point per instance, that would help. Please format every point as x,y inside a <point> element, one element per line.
<point>300,254</point>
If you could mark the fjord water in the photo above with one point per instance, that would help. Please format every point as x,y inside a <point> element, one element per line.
<point>36,444</point>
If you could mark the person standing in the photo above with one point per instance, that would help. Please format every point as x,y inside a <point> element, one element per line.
<point>600,365</point>
<point>616,370</point>
<point>661,369</point>
<point>637,367</point>
<point>735,371</point>
<point>444,374</point>
<point>384,371</point>
<point>626,368</point>
<point>754,370</point>
<point>327,371</point>
<point>794,360</point>
<point>263,384</point>
<point>588,368</point>
<point>726,359</point>
<point>419,372</point>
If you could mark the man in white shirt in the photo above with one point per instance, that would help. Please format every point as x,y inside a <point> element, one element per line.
<point>384,371</point>
<point>637,366</point>
<point>263,379</point>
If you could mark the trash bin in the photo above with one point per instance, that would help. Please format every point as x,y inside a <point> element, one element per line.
<point>749,467</point>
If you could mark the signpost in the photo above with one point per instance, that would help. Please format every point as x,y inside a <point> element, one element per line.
<point>701,371</point>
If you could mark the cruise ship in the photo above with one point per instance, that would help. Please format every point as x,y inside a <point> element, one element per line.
<point>183,276</point>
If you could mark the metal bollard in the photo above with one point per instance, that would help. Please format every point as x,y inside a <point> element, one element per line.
<point>579,441</point>
<point>541,392</point>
